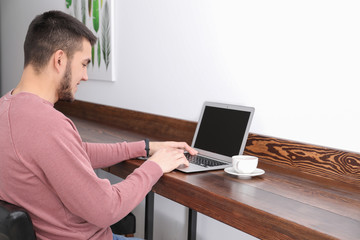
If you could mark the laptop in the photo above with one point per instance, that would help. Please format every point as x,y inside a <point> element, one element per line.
<point>221,133</point>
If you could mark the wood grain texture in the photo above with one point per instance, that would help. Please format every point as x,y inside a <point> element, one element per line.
<point>315,160</point>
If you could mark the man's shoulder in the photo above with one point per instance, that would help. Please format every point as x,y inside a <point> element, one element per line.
<point>31,110</point>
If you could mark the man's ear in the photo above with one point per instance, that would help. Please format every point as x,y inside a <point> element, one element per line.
<point>59,60</point>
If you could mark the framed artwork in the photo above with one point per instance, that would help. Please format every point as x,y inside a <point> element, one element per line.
<point>98,16</point>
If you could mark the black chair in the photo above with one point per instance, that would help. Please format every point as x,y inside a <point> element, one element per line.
<point>15,223</point>
<point>126,226</point>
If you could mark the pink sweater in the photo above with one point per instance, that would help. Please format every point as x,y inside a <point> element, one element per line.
<point>47,169</point>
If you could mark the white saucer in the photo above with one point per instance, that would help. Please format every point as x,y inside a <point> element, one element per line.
<point>257,172</point>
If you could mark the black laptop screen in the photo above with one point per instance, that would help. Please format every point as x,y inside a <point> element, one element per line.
<point>222,130</point>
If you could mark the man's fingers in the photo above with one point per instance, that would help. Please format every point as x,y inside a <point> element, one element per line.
<point>183,160</point>
<point>190,149</point>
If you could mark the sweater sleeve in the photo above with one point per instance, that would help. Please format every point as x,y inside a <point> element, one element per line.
<point>105,155</point>
<point>62,162</point>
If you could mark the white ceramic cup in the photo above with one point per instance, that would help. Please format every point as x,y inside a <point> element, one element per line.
<point>244,164</point>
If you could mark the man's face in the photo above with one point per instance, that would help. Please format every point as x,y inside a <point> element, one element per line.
<point>76,71</point>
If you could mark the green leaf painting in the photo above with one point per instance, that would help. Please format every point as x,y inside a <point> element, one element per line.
<point>92,55</point>
<point>89,7</point>
<point>105,35</point>
<point>76,9</point>
<point>68,3</point>
<point>99,54</point>
<point>83,11</point>
<point>96,15</point>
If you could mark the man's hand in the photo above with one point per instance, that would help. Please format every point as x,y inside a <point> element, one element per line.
<point>155,146</point>
<point>170,155</point>
<point>169,159</point>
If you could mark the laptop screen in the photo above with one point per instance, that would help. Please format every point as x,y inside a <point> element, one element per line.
<point>223,131</point>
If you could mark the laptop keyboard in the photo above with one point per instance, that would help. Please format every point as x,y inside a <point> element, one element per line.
<point>203,161</point>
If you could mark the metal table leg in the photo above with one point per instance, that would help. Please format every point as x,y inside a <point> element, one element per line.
<point>192,224</point>
<point>149,219</point>
<point>149,216</point>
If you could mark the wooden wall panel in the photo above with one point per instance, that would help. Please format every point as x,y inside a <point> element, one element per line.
<point>150,125</point>
<point>315,160</point>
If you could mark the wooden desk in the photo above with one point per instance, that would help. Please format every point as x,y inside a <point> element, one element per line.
<point>281,204</point>
<point>307,192</point>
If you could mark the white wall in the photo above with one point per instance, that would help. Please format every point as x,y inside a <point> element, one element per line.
<point>296,62</point>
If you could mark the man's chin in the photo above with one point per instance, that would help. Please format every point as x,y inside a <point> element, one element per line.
<point>67,98</point>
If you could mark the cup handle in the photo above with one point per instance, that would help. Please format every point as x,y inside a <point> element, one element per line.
<point>235,166</point>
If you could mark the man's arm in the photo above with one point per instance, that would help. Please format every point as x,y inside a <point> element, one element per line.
<point>104,155</point>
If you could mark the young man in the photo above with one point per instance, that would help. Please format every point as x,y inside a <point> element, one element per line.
<point>44,165</point>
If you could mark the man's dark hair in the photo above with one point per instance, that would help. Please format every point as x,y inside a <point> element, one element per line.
<point>52,31</point>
